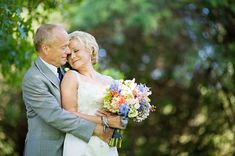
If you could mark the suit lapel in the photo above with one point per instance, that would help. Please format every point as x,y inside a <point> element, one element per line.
<point>47,72</point>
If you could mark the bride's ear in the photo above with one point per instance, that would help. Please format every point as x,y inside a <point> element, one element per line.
<point>92,51</point>
<point>93,56</point>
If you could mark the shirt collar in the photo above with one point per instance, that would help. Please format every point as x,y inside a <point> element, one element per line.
<point>51,67</point>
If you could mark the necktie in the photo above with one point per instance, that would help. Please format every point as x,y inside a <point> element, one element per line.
<point>60,74</point>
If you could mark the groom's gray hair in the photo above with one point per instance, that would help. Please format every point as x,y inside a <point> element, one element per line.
<point>45,35</point>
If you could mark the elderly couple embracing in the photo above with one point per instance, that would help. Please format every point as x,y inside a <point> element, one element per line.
<point>64,109</point>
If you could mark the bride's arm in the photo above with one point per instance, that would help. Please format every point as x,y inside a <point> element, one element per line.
<point>113,121</point>
<point>69,89</point>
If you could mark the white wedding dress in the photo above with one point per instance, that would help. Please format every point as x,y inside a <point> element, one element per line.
<point>89,101</point>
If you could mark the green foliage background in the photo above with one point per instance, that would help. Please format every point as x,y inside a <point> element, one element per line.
<point>184,50</point>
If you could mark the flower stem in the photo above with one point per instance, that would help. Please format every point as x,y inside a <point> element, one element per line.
<point>116,142</point>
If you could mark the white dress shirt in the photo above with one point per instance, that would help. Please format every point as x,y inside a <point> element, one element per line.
<point>51,67</point>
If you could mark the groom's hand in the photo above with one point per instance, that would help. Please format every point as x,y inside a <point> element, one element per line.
<point>103,135</point>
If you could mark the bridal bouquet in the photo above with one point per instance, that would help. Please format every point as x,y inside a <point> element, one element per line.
<point>128,99</point>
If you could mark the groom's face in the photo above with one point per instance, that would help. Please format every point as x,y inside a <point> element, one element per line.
<point>58,49</point>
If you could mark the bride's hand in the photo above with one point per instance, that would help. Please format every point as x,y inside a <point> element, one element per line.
<point>101,112</point>
<point>113,120</point>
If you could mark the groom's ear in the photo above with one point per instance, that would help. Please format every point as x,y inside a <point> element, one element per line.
<point>45,49</point>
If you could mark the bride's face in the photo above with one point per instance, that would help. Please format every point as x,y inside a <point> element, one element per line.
<point>80,55</point>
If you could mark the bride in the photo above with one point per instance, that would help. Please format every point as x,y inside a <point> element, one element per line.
<point>82,90</point>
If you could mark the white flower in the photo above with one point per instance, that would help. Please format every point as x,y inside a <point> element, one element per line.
<point>133,102</point>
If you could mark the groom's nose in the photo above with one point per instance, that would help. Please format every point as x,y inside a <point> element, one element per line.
<point>68,51</point>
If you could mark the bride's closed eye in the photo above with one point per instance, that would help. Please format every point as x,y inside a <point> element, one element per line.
<point>75,51</point>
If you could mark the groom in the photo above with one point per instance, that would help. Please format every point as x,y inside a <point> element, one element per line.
<point>47,121</point>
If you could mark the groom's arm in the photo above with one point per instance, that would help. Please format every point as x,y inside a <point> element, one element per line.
<point>38,96</point>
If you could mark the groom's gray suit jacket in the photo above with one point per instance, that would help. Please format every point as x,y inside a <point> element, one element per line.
<point>47,121</point>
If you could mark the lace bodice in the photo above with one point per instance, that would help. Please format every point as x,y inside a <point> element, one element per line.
<point>90,96</point>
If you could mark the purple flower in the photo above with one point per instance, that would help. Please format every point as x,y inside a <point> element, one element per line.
<point>141,87</point>
<point>141,106</point>
<point>124,110</point>
<point>115,86</point>
<point>148,105</point>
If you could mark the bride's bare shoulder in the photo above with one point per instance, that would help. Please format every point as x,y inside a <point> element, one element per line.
<point>72,73</point>
<point>70,77</point>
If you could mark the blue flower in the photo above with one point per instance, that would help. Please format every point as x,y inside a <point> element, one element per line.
<point>141,106</point>
<point>141,87</point>
<point>115,86</point>
<point>148,105</point>
<point>124,110</point>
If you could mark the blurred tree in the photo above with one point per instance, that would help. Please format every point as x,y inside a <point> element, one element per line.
<point>184,50</point>
<point>16,55</point>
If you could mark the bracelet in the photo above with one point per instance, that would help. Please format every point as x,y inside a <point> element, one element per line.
<point>104,128</point>
<point>104,123</point>
<point>104,120</point>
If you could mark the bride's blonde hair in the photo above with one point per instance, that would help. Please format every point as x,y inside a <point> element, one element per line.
<point>88,41</point>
